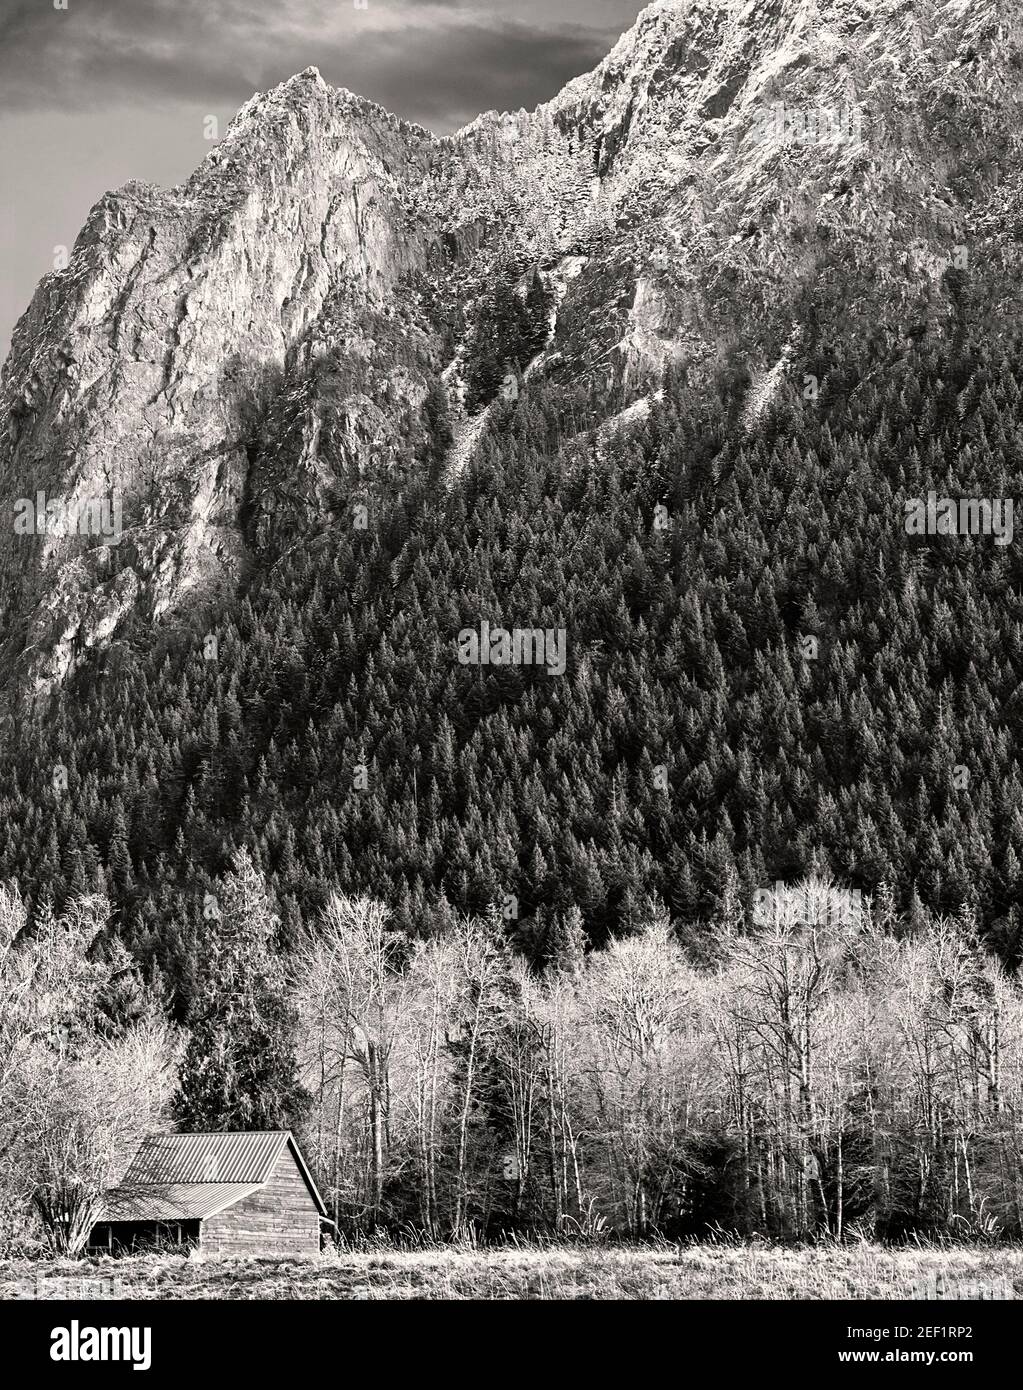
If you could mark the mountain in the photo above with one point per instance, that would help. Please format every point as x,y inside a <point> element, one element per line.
<point>729,179</point>
<point>659,386</point>
<point>655,369</point>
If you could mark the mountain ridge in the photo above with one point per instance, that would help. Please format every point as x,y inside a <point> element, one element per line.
<point>662,195</point>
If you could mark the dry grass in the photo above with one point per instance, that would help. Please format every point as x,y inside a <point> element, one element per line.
<point>697,1272</point>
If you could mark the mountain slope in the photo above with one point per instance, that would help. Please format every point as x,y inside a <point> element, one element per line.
<point>732,180</point>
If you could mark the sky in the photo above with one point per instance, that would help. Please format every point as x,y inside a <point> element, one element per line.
<point>96,92</point>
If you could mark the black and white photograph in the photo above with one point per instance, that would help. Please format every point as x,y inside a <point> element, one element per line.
<point>511,665</point>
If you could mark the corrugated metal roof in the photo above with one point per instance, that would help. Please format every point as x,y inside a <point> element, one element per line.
<point>179,1177</point>
<point>224,1157</point>
<point>175,1201</point>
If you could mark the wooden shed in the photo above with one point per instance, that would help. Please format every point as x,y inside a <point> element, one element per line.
<point>229,1193</point>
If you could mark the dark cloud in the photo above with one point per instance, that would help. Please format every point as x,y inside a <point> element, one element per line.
<point>503,66</point>
<point>109,90</point>
<point>437,61</point>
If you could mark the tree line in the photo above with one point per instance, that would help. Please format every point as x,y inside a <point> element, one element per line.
<point>828,1070</point>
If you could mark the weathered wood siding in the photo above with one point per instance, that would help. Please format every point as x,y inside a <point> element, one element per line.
<point>280,1219</point>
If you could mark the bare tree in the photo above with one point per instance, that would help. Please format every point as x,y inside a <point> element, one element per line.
<point>351,997</point>
<point>75,1096</point>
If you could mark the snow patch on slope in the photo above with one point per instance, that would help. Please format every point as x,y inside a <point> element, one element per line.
<point>764,386</point>
<point>468,433</point>
<point>634,414</point>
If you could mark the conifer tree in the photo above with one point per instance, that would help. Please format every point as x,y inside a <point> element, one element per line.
<point>239,1069</point>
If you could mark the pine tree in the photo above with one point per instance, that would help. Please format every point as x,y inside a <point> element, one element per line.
<point>567,942</point>
<point>239,1070</point>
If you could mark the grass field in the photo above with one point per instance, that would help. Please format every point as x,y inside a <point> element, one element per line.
<point>691,1272</point>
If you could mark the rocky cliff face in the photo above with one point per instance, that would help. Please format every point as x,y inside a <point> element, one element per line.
<point>133,372</point>
<point>729,175</point>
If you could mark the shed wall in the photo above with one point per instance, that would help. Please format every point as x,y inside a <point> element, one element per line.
<point>280,1219</point>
